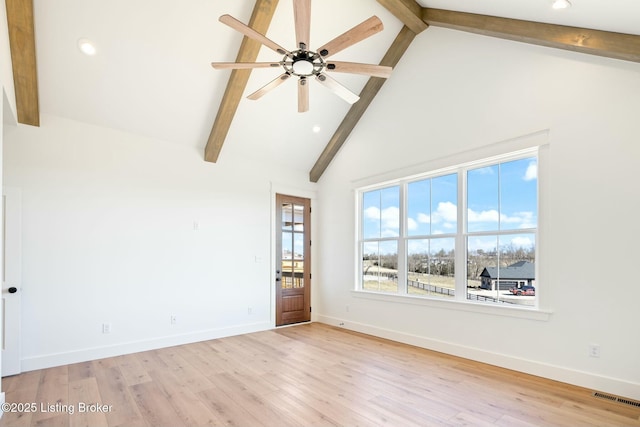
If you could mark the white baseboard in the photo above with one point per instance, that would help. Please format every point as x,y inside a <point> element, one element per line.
<point>77,356</point>
<point>558,373</point>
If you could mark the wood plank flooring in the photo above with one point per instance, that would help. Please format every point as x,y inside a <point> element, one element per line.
<point>305,375</point>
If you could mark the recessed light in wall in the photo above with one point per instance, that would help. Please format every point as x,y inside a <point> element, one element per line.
<point>561,4</point>
<point>87,47</point>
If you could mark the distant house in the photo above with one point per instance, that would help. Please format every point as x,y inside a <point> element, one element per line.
<point>514,276</point>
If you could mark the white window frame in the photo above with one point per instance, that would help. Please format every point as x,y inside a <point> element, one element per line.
<point>460,301</point>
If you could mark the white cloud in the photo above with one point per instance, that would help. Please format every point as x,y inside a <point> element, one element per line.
<point>484,216</point>
<point>522,242</point>
<point>372,213</point>
<point>488,170</point>
<point>446,215</point>
<point>531,172</point>
<point>519,219</point>
<point>388,217</point>
<point>446,211</point>
<point>412,224</point>
<point>424,218</point>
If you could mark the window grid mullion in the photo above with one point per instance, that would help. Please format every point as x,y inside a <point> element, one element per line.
<point>461,238</point>
<point>402,242</point>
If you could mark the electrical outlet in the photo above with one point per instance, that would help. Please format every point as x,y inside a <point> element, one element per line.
<point>106,328</point>
<point>249,310</point>
<point>594,350</point>
<point>174,319</point>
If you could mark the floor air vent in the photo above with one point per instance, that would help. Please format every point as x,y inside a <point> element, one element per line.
<point>616,399</point>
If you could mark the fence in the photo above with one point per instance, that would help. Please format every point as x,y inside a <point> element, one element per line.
<point>452,292</point>
<point>432,288</point>
<point>475,297</point>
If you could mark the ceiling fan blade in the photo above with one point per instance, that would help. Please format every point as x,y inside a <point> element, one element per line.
<point>358,33</point>
<point>243,65</point>
<point>269,86</point>
<point>337,88</point>
<point>251,33</point>
<point>303,95</point>
<point>357,68</point>
<point>302,17</point>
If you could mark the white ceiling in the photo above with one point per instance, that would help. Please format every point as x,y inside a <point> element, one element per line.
<point>152,74</point>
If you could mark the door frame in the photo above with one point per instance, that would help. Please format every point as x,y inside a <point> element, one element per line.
<point>277,188</point>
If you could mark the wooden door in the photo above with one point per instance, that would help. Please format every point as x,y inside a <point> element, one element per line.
<point>293,260</point>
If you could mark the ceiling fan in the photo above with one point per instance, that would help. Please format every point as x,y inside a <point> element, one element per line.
<point>304,63</point>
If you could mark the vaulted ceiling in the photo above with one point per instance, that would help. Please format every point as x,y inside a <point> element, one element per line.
<point>151,74</point>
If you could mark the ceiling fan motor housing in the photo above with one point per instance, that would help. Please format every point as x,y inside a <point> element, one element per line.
<point>305,63</point>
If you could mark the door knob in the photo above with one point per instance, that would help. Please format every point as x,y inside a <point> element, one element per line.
<point>13,290</point>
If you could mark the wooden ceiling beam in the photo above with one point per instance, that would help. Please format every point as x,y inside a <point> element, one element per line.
<point>22,43</point>
<point>408,12</point>
<point>584,40</point>
<point>369,92</point>
<point>260,20</point>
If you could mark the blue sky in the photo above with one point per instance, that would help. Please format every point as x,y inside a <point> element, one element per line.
<point>506,193</point>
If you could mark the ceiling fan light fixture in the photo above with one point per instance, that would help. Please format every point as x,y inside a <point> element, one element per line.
<point>303,67</point>
<point>561,4</point>
<point>87,47</point>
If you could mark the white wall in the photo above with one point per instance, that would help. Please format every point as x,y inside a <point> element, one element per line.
<point>467,93</point>
<point>109,237</point>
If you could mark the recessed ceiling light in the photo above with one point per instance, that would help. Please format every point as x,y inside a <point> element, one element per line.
<point>86,47</point>
<point>316,129</point>
<point>561,4</point>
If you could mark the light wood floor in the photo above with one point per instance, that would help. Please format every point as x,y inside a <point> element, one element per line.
<point>306,375</point>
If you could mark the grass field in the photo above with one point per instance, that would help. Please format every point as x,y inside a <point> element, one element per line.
<point>384,284</point>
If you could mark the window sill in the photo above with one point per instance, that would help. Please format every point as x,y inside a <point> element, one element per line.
<point>473,307</point>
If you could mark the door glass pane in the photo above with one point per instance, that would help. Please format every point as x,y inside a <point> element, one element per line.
<point>298,218</point>
<point>298,246</point>
<point>298,260</point>
<point>287,216</point>
<point>287,273</point>
<point>298,274</point>
<point>287,245</point>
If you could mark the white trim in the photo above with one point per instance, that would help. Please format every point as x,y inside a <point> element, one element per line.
<point>2,400</point>
<point>496,151</point>
<point>83,355</point>
<point>567,375</point>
